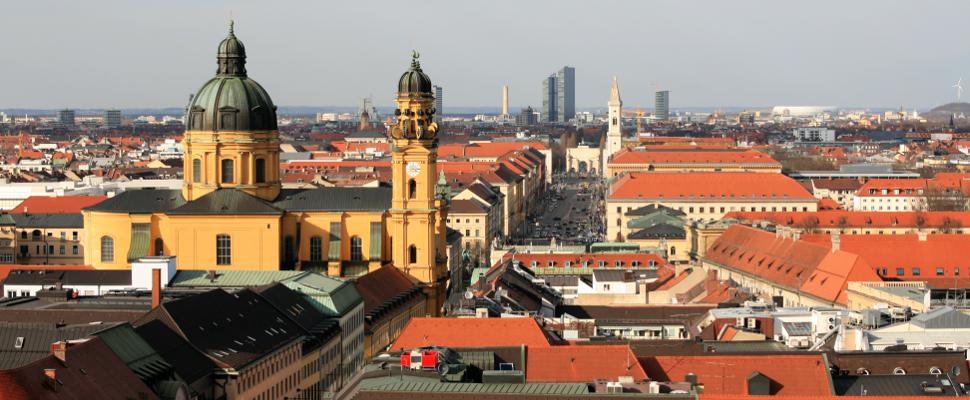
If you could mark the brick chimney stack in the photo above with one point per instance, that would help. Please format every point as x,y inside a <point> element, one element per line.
<point>59,350</point>
<point>156,287</point>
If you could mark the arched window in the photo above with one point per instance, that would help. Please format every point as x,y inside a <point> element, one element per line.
<point>23,235</point>
<point>223,249</point>
<point>35,235</point>
<point>935,371</point>
<point>412,189</point>
<point>107,249</point>
<point>227,171</point>
<point>316,249</point>
<point>159,247</point>
<point>899,371</point>
<point>260,170</point>
<point>196,170</point>
<point>673,250</point>
<point>412,254</point>
<point>356,249</point>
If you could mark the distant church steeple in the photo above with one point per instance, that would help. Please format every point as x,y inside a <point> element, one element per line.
<point>614,134</point>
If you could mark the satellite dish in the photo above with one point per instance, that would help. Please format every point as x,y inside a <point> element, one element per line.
<point>469,295</point>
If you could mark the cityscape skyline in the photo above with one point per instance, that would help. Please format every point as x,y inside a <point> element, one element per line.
<point>761,56</point>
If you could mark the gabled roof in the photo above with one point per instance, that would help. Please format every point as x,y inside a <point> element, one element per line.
<point>456,332</point>
<point>798,264</point>
<point>805,375</point>
<point>141,201</point>
<point>707,186</point>
<point>581,364</point>
<point>942,318</point>
<point>655,208</point>
<point>292,304</point>
<point>92,371</point>
<point>226,202</point>
<point>131,348</point>
<point>336,199</point>
<point>233,330</point>
<point>56,205</point>
<point>659,231</point>
<point>467,207</point>
<point>189,363</point>
<point>48,220</point>
<point>37,339</point>
<point>383,287</point>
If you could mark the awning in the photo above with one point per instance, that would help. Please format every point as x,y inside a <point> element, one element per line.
<point>333,253</point>
<point>140,237</point>
<point>375,240</point>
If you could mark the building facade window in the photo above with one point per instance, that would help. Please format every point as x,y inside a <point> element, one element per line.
<point>227,171</point>
<point>223,249</point>
<point>316,248</point>
<point>260,170</point>
<point>412,189</point>
<point>107,249</point>
<point>159,247</point>
<point>196,170</point>
<point>356,248</point>
<point>412,254</point>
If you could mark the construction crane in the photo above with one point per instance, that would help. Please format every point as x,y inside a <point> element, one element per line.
<point>639,117</point>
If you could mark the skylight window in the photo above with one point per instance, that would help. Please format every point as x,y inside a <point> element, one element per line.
<point>19,342</point>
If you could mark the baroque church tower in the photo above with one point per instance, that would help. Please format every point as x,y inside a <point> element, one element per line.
<point>614,135</point>
<point>231,138</point>
<point>416,220</point>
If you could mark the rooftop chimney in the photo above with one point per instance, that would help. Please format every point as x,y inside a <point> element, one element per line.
<point>921,234</point>
<point>836,242</point>
<point>156,288</point>
<point>59,350</point>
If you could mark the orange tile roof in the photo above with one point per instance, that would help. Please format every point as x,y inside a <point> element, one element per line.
<point>727,156</point>
<point>950,252</point>
<point>56,205</point>
<point>805,375</point>
<point>581,364</point>
<point>810,267</point>
<point>858,219</point>
<point>486,149</point>
<point>454,332</point>
<point>708,186</point>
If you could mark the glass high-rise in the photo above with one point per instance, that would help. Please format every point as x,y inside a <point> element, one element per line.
<point>112,118</point>
<point>661,106</point>
<point>439,103</point>
<point>559,96</point>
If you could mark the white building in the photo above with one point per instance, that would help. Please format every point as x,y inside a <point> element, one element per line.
<point>814,134</point>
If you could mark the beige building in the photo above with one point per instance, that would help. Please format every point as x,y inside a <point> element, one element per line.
<point>50,238</point>
<point>873,295</point>
<point>690,159</point>
<point>584,159</point>
<point>702,196</point>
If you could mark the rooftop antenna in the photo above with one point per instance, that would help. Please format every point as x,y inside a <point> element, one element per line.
<point>959,88</point>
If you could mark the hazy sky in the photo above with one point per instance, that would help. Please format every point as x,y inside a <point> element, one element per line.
<point>124,53</point>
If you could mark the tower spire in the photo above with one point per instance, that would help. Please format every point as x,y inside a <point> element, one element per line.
<point>615,93</point>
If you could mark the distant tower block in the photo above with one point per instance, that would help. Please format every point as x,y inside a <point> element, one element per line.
<point>505,100</point>
<point>364,121</point>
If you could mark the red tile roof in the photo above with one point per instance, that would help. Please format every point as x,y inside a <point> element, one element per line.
<point>858,219</point>
<point>810,267</point>
<point>728,156</point>
<point>486,149</point>
<point>381,285</point>
<point>626,260</point>
<point>470,332</point>
<point>805,375</point>
<point>581,364</point>
<point>56,205</point>
<point>950,252</point>
<point>708,186</point>
<point>92,371</point>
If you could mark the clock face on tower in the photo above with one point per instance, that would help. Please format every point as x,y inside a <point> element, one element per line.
<point>413,169</point>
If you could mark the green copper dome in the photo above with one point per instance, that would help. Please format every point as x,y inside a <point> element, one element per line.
<point>231,101</point>
<point>414,80</point>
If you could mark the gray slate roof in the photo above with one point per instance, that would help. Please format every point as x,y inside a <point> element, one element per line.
<point>142,201</point>
<point>226,202</point>
<point>37,339</point>
<point>660,231</point>
<point>942,318</point>
<point>49,220</point>
<point>68,277</point>
<point>336,199</point>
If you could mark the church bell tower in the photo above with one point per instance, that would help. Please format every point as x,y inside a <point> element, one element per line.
<point>614,134</point>
<point>417,216</point>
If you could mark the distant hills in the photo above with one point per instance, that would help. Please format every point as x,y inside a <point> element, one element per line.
<point>943,113</point>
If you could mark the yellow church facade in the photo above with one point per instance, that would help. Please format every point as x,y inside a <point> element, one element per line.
<point>233,214</point>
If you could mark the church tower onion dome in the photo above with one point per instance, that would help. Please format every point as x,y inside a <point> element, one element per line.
<point>231,101</point>
<point>414,80</point>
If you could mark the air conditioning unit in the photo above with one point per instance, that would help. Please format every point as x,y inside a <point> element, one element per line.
<point>614,387</point>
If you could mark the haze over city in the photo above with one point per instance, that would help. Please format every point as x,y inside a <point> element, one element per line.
<point>100,54</point>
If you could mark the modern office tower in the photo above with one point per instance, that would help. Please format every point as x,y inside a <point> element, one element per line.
<point>112,118</point>
<point>439,103</point>
<point>65,117</point>
<point>549,99</point>
<point>505,100</point>
<point>661,106</point>
<point>527,117</point>
<point>559,96</point>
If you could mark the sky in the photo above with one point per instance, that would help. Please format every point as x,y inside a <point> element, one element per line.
<point>711,53</point>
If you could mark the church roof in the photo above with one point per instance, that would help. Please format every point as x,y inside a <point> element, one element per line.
<point>226,202</point>
<point>141,201</point>
<point>337,199</point>
<point>659,231</point>
<point>656,208</point>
